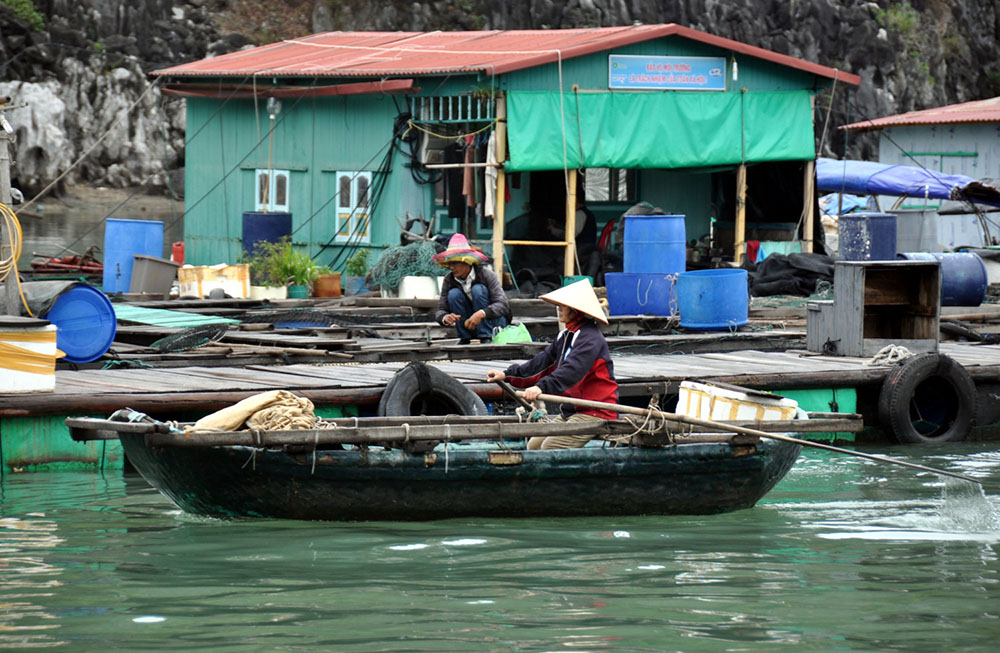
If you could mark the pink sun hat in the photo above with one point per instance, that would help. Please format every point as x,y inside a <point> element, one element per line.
<point>460,250</point>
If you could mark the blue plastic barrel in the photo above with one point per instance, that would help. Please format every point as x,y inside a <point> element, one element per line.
<point>963,276</point>
<point>86,323</point>
<point>640,294</point>
<point>867,236</point>
<point>264,227</point>
<point>713,300</point>
<point>123,239</point>
<point>654,244</point>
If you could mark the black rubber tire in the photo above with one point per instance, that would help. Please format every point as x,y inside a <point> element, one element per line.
<point>930,399</point>
<point>420,389</point>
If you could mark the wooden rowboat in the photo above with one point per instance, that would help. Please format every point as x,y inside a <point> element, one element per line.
<point>384,469</point>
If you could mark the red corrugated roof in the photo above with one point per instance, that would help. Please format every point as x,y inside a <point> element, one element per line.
<point>976,111</point>
<point>391,54</point>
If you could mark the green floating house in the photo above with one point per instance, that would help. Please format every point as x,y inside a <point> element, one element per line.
<point>495,133</point>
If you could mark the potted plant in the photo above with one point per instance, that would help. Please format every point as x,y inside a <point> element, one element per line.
<point>278,264</point>
<point>266,278</point>
<point>352,281</point>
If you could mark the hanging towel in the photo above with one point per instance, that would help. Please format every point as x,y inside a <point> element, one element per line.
<point>468,178</point>
<point>489,210</point>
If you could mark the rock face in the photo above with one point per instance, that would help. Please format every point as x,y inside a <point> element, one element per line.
<point>81,81</point>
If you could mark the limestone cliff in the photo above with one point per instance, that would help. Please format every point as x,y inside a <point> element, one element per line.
<point>77,66</point>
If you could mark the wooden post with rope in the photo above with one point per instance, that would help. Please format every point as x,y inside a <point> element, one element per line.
<point>12,304</point>
<point>569,262</point>
<point>740,230</point>
<point>500,204</point>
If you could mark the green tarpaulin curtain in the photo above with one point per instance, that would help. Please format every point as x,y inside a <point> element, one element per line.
<point>656,130</point>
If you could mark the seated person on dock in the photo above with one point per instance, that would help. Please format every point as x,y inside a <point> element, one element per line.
<point>472,299</point>
<point>577,364</point>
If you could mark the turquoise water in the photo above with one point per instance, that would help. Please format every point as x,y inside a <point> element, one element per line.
<point>845,554</point>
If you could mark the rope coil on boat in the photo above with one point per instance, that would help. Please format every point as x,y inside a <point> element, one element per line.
<point>890,355</point>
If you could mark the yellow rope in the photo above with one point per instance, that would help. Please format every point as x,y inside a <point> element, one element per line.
<point>8,261</point>
<point>413,125</point>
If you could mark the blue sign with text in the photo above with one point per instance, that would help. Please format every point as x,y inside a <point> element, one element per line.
<point>663,73</point>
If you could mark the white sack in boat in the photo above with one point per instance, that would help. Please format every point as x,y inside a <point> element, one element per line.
<point>271,410</point>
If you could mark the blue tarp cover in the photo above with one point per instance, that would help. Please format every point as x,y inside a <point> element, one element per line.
<point>868,178</point>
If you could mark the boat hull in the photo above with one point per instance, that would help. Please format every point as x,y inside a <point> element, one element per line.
<point>464,481</point>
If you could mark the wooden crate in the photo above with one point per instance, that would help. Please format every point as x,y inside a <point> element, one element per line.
<point>199,281</point>
<point>877,303</point>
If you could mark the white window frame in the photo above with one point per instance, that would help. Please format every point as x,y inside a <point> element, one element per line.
<point>272,203</point>
<point>353,219</point>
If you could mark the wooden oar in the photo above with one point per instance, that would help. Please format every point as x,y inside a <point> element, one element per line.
<point>512,393</point>
<point>732,428</point>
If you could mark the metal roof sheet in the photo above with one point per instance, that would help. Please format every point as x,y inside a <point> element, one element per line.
<point>975,111</point>
<point>391,54</point>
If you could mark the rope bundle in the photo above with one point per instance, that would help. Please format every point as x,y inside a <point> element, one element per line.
<point>9,255</point>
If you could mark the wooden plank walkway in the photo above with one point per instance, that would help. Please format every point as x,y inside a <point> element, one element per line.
<point>195,387</point>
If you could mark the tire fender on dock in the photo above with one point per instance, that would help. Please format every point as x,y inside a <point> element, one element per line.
<point>420,389</point>
<point>929,399</point>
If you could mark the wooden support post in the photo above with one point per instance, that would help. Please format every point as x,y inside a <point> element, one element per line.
<point>740,232</point>
<point>498,219</point>
<point>808,205</point>
<point>569,263</point>
<point>11,303</point>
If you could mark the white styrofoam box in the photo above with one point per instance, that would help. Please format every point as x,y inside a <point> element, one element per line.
<point>419,288</point>
<point>721,404</point>
<point>32,347</point>
<point>268,292</point>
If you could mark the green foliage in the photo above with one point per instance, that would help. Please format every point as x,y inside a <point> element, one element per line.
<point>279,264</point>
<point>357,265</point>
<point>25,10</point>
<point>902,20</point>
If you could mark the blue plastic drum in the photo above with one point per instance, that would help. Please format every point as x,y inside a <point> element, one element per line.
<point>86,323</point>
<point>655,244</point>
<point>713,300</point>
<point>868,236</point>
<point>963,276</point>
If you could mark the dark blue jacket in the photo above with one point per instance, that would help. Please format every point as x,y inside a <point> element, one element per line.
<point>577,364</point>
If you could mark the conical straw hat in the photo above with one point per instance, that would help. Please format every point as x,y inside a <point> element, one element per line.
<point>580,296</point>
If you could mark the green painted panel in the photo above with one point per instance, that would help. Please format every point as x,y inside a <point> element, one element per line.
<point>312,138</point>
<point>333,412</point>
<point>44,443</point>
<point>680,191</point>
<point>824,400</point>
<point>591,71</point>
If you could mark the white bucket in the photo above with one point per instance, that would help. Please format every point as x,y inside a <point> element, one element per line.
<point>723,405</point>
<point>28,359</point>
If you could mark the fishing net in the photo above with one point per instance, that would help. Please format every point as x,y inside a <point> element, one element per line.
<point>291,318</point>
<point>413,260</point>
<point>190,338</point>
